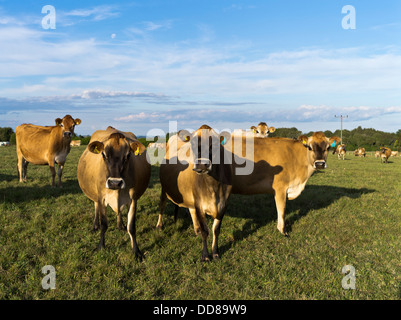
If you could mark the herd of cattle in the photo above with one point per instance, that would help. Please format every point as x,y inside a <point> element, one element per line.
<point>200,170</point>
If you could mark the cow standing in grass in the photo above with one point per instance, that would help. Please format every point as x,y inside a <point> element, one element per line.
<point>114,171</point>
<point>45,146</point>
<point>385,153</point>
<point>282,166</point>
<point>193,175</point>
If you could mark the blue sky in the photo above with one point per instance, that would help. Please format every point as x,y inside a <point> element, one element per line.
<point>230,64</point>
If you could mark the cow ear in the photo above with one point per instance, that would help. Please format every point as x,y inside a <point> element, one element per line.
<point>334,141</point>
<point>137,148</point>
<point>224,137</point>
<point>253,128</point>
<point>184,135</point>
<point>304,139</point>
<point>272,129</point>
<point>59,121</point>
<point>96,147</point>
<point>77,121</point>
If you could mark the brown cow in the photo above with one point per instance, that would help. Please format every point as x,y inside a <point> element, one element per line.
<point>360,152</point>
<point>385,153</point>
<point>193,175</point>
<point>262,130</point>
<point>341,151</point>
<point>114,171</point>
<point>45,146</point>
<point>75,143</point>
<point>281,167</point>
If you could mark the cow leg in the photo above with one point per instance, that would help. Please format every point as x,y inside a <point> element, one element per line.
<point>162,207</point>
<point>281,198</point>
<point>96,220</point>
<point>216,232</point>
<point>22,168</point>
<point>200,227</point>
<point>103,225</point>
<point>131,228</point>
<point>60,173</point>
<point>176,208</point>
<point>53,173</point>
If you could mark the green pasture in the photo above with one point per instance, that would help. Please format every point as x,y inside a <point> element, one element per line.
<point>348,214</point>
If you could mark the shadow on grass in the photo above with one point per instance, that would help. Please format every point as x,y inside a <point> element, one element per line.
<point>25,192</point>
<point>259,210</point>
<point>6,177</point>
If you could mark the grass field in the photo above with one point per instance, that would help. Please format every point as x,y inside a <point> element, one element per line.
<point>348,214</point>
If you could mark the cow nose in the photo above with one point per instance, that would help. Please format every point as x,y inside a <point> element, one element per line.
<point>67,134</point>
<point>202,165</point>
<point>320,164</point>
<point>115,183</point>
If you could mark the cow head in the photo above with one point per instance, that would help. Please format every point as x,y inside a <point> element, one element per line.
<point>67,125</point>
<point>206,147</point>
<point>116,153</point>
<point>318,146</point>
<point>262,130</point>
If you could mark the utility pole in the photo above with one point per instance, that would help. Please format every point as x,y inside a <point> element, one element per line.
<point>341,116</point>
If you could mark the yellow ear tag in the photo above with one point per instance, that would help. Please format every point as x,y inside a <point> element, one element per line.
<point>304,141</point>
<point>186,138</point>
<point>96,150</point>
<point>137,152</point>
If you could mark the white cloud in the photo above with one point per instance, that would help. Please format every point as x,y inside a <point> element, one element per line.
<point>97,13</point>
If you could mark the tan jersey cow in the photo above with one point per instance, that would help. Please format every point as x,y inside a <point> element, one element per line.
<point>45,146</point>
<point>281,166</point>
<point>193,175</point>
<point>75,143</point>
<point>262,130</point>
<point>114,171</point>
<point>385,153</point>
<point>360,152</point>
<point>341,151</point>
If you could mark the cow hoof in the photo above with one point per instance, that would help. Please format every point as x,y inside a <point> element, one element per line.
<point>216,257</point>
<point>205,259</point>
<point>121,227</point>
<point>159,226</point>
<point>138,256</point>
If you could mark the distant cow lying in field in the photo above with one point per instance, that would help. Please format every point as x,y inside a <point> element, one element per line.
<point>385,153</point>
<point>114,171</point>
<point>360,152</point>
<point>394,153</point>
<point>45,146</point>
<point>193,175</point>
<point>75,143</point>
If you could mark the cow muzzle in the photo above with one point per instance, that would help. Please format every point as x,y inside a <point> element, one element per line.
<point>202,165</point>
<point>115,183</point>
<point>67,134</point>
<point>320,164</point>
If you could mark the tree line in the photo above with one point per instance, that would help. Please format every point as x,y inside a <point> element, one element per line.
<point>368,138</point>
